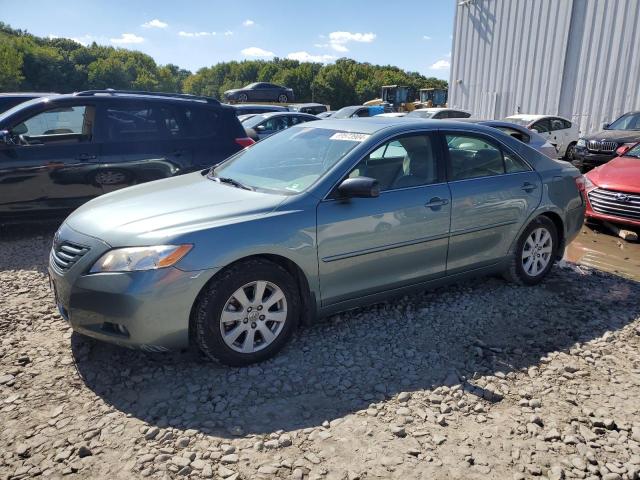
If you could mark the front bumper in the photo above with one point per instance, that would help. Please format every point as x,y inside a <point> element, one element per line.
<point>583,158</point>
<point>147,309</point>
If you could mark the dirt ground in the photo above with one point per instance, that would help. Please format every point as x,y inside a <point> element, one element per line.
<point>481,380</point>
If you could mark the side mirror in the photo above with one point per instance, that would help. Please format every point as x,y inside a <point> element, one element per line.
<point>261,128</point>
<point>359,187</point>
<point>605,126</point>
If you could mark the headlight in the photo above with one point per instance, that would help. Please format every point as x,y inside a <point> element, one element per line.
<point>588,184</point>
<point>140,258</point>
<point>581,142</point>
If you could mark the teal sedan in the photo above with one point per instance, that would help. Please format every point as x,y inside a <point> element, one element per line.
<point>319,218</point>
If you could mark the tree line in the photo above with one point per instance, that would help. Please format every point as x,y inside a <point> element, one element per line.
<point>32,63</point>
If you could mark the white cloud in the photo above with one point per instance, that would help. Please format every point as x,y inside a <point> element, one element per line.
<point>126,39</point>
<point>256,52</point>
<point>441,65</point>
<point>248,23</point>
<point>196,34</point>
<point>155,23</point>
<point>83,40</point>
<point>426,37</point>
<point>339,40</point>
<point>307,57</point>
<point>321,45</point>
<point>228,33</point>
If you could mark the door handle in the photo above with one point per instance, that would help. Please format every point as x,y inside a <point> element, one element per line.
<point>436,202</point>
<point>529,187</point>
<point>86,156</point>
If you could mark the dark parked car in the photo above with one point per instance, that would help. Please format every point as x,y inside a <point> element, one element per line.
<point>262,126</point>
<point>600,147</point>
<point>255,109</point>
<point>358,111</point>
<point>260,92</point>
<point>10,100</point>
<point>311,108</point>
<point>58,152</point>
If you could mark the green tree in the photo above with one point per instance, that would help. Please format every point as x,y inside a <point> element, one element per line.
<point>10,67</point>
<point>108,73</point>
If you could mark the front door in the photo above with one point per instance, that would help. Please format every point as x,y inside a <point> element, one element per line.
<point>48,166</point>
<point>371,245</point>
<point>493,192</point>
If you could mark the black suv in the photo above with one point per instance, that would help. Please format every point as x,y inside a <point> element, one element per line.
<point>58,152</point>
<point>600,147</point>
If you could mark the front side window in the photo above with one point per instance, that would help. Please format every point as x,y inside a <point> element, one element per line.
<point>408,161</point>
<point>63,124</point>
<point>289,162</point>
<point>275,124</point>
<point>474,157</point>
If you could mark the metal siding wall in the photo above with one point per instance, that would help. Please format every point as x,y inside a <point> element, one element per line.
<point>513,53</point>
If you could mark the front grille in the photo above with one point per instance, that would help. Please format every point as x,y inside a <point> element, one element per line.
<point>65,254</point>
<point>611,202</point>
<point>604,146</point>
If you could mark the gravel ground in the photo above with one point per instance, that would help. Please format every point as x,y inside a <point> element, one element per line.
<point>479,380</point>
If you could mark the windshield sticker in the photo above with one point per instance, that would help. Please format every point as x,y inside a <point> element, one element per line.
<point>350,137</point>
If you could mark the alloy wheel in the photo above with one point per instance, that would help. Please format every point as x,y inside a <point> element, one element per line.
<point>253,317</point>
<point>537,251</point>
<point>110,177</point>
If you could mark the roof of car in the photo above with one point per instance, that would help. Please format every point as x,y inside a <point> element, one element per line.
<point>247,106</point>
<point>307,105</point>
<point>27,94</point>
<point>279,114</point>
<point>371,125</point>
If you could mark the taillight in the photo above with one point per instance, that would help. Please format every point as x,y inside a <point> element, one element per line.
<point>245,142</point>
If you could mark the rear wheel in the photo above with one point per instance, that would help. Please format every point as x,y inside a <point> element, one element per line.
<point>247,314</point>
<point>282,98</point>
<point>243,97</point>
<point>570,154</point>
<point>535,253</point>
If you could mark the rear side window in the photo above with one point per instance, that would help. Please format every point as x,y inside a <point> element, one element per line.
<point>134,121</point>
<point>558,124</point>
<point>475,157</point>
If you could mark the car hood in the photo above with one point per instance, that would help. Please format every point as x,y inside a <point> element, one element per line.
<point>165,209</point>
<point>620,136</point>
<point>621,173</point>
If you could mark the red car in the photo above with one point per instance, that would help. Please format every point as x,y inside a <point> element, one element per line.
<point>613,189</point>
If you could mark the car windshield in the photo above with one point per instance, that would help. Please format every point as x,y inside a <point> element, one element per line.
<point>629,121</point>
<point>420,114</point>
<point>289,162</point>
<point>634,152</point>
<point>253,120</point>
<point>345,112</point>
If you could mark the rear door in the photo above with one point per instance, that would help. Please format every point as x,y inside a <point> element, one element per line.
<point>493,192</point>
<point>371,245</point>
<point>49,167</point>
<point>142,142</point>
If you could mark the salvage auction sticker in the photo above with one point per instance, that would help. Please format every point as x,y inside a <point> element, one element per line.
<point>350,137</point>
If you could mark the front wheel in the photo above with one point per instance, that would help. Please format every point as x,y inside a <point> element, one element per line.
<point>535,253</point>
<point>247,314</point>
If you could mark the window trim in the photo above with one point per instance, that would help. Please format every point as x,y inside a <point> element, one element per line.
<point>437,146</point>
<point>501,146</point>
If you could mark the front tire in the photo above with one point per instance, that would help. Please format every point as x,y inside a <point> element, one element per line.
<point>247,314</point>
<point>534,254</point>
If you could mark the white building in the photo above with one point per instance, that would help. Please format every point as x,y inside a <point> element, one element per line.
<point>576,58</point>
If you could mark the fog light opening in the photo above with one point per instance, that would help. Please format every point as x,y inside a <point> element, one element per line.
<point>115,329</point>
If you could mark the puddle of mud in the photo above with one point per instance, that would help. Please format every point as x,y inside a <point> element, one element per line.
<point>597,247</point>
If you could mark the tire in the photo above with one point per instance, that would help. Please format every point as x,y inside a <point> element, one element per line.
<point>570,153</point>
<point>242,98</point>
<point>219,300</point>
<point>520,271</point>
<point>282,98</point>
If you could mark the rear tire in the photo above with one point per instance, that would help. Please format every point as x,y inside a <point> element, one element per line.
<point>283,98</point>
<point>242,98</point>
<point>534,254</point>
<point>237,319</point>
<point>570,153</point>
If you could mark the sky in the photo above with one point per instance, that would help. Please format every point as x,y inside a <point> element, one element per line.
<point>412,34</point>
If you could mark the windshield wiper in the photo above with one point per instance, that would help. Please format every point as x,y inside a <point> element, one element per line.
<point>231,181</point>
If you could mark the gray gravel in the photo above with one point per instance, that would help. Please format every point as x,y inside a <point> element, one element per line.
<point>479,380</point>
